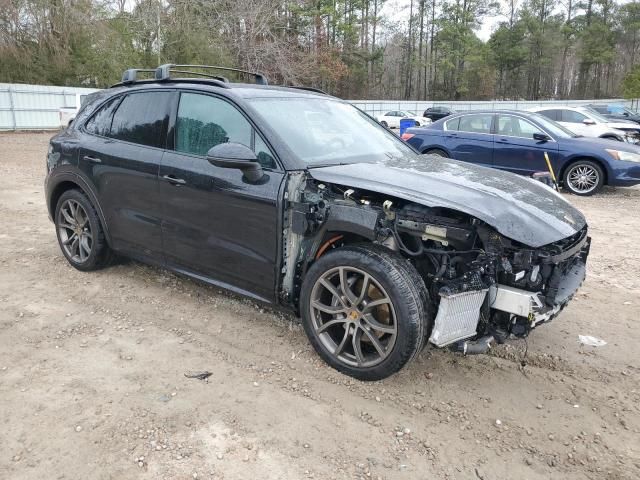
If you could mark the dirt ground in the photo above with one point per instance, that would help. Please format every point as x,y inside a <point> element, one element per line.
<point>92,371</point>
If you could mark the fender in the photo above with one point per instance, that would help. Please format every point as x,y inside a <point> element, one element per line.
<point>64,174</point>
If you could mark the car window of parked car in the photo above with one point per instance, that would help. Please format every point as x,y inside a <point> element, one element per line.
<point>477,123</point>
<point>555,115</point>
<point>516,127</point>
<point>600,108</point>
<point>142,118</point>
<point>452,124</point>
<point>100,122</point>
<point>204,121</point>
<point>571,116</point>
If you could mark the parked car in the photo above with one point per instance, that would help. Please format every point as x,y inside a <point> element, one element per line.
<point>392,118</point>
<point>615,112</point>
<point>516,141</point>
<point>588,123</point>
<point>68,114</point>
<point>379,249</point>
<point>436,113</point>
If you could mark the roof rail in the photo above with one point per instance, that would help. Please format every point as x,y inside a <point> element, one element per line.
<point>163,72</point>
<point>310,89</point>
<point>131,75</point>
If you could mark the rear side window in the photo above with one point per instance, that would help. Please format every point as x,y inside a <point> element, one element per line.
<point>142,118</point>
<point>100,123</point>
<point>480,123</point>
<point>552,114</point>
<point>572,117</point>
<point>452,124</point>
<point>516,127</point>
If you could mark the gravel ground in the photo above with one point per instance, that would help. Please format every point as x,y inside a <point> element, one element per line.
<point>92,370</point>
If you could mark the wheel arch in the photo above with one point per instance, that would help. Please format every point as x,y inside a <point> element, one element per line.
<point>425,149</point>
<point>66,182</point>
<point>603,165</point>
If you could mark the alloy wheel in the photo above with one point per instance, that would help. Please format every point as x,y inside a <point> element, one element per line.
<point>74,230</point>
<point>583,178</point>
<point>353,316</point>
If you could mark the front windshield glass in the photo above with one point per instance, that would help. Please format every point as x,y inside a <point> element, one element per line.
<point>323,131</point>
<point>555,129</point>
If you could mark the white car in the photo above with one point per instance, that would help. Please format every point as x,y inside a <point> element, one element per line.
<point>392,119</point>
<point>588,123</point>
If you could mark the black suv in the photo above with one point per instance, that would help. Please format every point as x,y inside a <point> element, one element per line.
<point>377,248</point>
<point>436,113</point>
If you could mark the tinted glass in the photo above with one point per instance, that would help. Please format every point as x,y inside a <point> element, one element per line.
<point>479,123</point>
<point>516,127</point>
<point>100,123</point>
<point>572,117</point>
<point>142,118</point>
<point>204,122</point>
<point>600,108</point>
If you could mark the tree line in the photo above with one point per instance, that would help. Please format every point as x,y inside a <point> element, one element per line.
<point>412,50</point>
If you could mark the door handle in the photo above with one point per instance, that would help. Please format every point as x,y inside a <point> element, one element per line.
<point>92,159</point>
<point>173,180</point>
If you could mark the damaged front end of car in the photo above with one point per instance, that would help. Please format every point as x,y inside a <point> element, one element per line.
<point>482,285</point>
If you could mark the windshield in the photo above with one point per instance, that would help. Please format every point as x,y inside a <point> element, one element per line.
<point>324,131</point>
<point>555,129</point>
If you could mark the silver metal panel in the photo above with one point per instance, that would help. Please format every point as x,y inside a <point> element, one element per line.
<point>457,317</point>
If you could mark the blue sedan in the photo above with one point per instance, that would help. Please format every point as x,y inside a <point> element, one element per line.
<point>516,141</point>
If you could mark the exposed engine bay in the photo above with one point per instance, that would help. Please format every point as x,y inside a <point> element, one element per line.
<point>482,285</point>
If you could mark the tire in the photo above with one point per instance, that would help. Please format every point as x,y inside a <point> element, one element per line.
<point>76,216</point>
<point>437,152</point>
<point>387,319</point>
<point>417,124</point>
<point>384,124</point>
<point>583,177</point>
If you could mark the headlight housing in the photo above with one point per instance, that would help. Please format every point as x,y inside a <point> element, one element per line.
<point>624,156</point>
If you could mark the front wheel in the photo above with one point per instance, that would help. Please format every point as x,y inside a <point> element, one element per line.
<point>583,177</point>
<point>365,310</point>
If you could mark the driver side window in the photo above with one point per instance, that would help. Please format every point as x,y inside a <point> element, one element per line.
<point>204,121</point>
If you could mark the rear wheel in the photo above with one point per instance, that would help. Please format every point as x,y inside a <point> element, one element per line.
<point>384,124</point>
<point>583,177</point>
<point>437,152</point>
<point>80,233</point>
<point>365,310</point>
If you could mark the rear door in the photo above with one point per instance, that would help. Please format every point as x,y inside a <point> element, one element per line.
<point>216,224</point>
<point>121,154</point>
<point>516,150</point>
<point>469,138</point>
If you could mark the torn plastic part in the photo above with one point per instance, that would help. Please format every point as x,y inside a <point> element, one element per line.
<point>457,317</point>
<point>521,303</point>
<point>591,341</point>
<point>291,243</point>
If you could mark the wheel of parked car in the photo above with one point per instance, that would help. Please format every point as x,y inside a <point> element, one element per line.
<point>583,177</point>
<point>365,310</point>
<point>613,137</point>
<point>79,232</point>
<point>384,124</point>
<point>437,152</point>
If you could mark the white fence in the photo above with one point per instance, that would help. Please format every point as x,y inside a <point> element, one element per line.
<point>379,107</point>
<point>37,107</point>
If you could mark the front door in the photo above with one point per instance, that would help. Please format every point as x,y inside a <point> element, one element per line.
<point>516,150</point>
<point>215,224</point>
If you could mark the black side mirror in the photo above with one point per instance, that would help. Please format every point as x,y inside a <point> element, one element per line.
<point>236,155</point>
<point>541,137</point>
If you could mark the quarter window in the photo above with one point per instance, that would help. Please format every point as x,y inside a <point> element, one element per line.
<point>142,118</point>
<point>100,122</point>
<point>516,127</point>
<point>452,124</point>
<point>478,123</point>
<point>204,121</point>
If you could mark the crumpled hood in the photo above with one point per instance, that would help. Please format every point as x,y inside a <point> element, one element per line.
<point>520,208</point>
